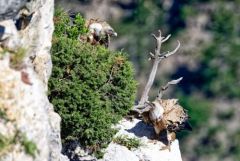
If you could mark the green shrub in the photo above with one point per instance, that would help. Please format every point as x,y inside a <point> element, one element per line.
<point>91,88</point>
<point>65,27</point>
<point>130,143</point>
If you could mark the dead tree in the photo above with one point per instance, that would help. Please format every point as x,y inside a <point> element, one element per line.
<point>166,115</point>
<point>157,56</point>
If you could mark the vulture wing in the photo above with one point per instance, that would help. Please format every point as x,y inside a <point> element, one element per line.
<point>175,115</point>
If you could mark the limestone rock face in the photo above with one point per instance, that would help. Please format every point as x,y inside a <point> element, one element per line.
<point>151,150</point>
<point>29,127</point>
<point>117,152</point>
<point>10,8</point>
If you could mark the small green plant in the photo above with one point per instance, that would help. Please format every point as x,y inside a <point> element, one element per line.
<point>129,142</point>
<point>16,56</point>
<point>2,52</point>
<point>99,154</point>
<point>3,114</point>
<point>29,146</point>
<point>5,144</point>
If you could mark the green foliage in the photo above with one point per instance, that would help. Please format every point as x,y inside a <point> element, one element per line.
<point>199,109</point>
<point>29,146</point>
<point>187,10</point>
<point>210,144</point>
<point>99,154</point>
<point>235,142</point>
<point>146,17</point>
<point>7,142</point>
<point>223,22</point>
<point>141,13</point>
<point>130,143</point>
<point>16,56</point>
<point>91,88</point>
<point>65,27</point>
<point>3,114</point>
<point>220,58</point>
<point>226,115</point>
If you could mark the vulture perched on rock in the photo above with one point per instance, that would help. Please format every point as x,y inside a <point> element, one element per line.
<point>167,118</point>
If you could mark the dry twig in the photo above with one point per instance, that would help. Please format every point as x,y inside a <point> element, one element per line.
<point>164,88</point>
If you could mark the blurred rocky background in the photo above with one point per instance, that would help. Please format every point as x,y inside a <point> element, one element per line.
<point>208,60</point>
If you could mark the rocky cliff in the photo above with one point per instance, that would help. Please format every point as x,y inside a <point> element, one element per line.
<point>29,127</point>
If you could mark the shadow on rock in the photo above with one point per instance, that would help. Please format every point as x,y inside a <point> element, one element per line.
<point>142,129</point>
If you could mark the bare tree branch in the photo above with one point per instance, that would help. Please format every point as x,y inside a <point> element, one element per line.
<point>164,88</point>
<point>176,81</point>
<point>154,36</point>
<point>170,53</point>
<point>151,56</point>
<point>157,56</point>
<point>159,44</point>
<point>142,108</point>
<point>165,39</point>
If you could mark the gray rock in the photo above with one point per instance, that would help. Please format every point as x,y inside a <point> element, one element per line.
<point>117,152</point>
<point>76,152</point>
<point>28,114</point>
<point>151,150</point>
<point>9,35</point>
<point>10,8</point>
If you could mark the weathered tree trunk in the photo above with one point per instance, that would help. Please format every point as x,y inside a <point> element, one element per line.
<point>149,84</point>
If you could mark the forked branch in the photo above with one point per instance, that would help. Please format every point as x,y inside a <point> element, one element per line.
<point>169,53</point>
<point>157,57</point>
<point>164,88</point>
